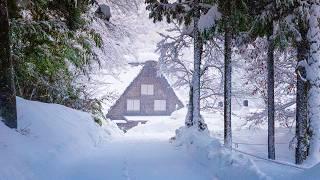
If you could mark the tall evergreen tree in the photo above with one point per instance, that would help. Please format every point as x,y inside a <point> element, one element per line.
<point>302,96</point>
<point>267,18</point>
<point>8,110</point>
<point>234,20</point>
<point>271,109</point>
<point>198,48</point>
<point>228,33</point>
<point>312,10</point>
<point>307,23</point>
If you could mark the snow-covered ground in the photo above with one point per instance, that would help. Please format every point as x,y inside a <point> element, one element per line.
<point>252,141</point>
<point>48,135</point>
<point>56,142</point>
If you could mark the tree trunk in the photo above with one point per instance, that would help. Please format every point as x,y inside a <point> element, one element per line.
<point>189,117</point>
<point>313,77</point>
<point>270,82</point>
<point>198,45</point>
<point>227,76</point>
<point>301,98</point>
<point>7,90</point>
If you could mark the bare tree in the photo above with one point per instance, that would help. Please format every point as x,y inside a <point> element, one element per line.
<point>175,63</point>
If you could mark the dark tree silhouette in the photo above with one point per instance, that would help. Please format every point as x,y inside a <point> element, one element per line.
<point>8,112</point>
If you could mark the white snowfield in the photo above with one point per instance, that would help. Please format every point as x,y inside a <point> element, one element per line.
<point>55,142</point>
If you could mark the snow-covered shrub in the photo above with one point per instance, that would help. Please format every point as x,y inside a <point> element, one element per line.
<point>208,150</point>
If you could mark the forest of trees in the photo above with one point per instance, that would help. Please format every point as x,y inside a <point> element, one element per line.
<point>256,30</point>
<point>54,52</point>
<point>44,51</point>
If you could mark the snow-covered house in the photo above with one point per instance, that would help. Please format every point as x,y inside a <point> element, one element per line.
<point>149,94</point>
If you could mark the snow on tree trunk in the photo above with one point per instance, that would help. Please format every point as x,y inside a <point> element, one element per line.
<point>189,117</point>
<point>198,45</point>
<point>7,90</point>
<point>301,98</point>
<point>270,82</point>
<point>227,78</point>
<point>313,76</point>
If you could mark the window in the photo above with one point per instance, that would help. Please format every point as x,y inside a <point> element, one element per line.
<point>160,105</point>
<point>133,105</point>
<point>146,89</point>
<point>245,103</point>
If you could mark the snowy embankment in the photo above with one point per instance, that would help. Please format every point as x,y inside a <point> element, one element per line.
<point>47,136</point>
<point>209,152</point>
<point>204,149</point>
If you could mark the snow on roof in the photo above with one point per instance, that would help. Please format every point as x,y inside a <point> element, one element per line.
<point>119,121</point>
<point>124,78</point>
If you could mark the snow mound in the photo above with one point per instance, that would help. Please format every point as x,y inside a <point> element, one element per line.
<point>210,152</point>
<point>48,135</point>
<point>159,127</point>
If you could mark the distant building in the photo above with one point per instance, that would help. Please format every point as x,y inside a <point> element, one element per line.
<point>149,94</point>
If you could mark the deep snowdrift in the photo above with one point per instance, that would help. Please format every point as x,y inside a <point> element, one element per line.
<point>209,152</point>
<point>47,136</point>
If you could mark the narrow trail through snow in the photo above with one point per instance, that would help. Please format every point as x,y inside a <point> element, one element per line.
<point>136,159</point>
<point>128,158</point>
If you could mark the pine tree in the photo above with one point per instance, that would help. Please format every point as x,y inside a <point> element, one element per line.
<point>312,8</point>
<point>307,24</point>
<point>267,17</point>
<point>271,109</point>
<point>8,110</point>
<point>301,96</point>
<point>198,48</point>
<point>228,33</point>
<point>234,20</point>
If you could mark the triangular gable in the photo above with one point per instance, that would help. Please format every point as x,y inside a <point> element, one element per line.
<point>148,73</point>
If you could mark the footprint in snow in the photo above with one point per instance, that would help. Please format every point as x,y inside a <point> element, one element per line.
<point>126,170</point>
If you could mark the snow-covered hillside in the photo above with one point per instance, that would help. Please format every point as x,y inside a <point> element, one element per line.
<point>47,136</point>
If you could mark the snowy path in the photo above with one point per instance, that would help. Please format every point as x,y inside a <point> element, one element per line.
<point>150,159</point>
<point>133,159</point>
